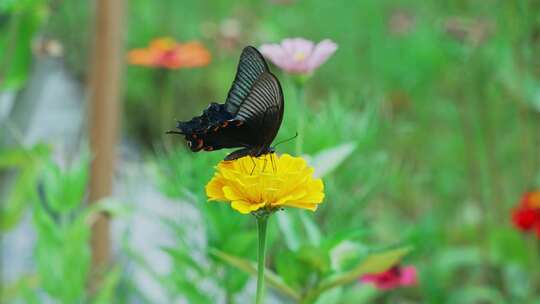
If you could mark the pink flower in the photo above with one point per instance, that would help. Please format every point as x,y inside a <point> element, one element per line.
<point>392,278</point>
<point>299,55</point>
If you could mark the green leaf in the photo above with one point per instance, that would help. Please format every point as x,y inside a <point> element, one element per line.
<point>313,233</point>
<point>233,280</point>
<point>332,296</point>
<point>373,263</point>
<point>271,278</point>
<point>191,292</point>
<point>345,253</point>
<point>317,259</point>
<point>28,161</point>
<point>110,206</point>
<point>13,157</point>
<point>76,180</point>
<point>360,293</point>
<point>477,294</point>
<point>241,243</point>
<point>290,232</point>
<point>507,245</point>
<point>330,242</point>
<point>65,188</point>
<point>222,223</point>
<point>327,160</point>
<point>16,36</point>
<point>106,293</point>
<point>293,272</point>
<point>19,288</point>
<point>61,247</point>
<point>183,260</point>
<point>18,198</point>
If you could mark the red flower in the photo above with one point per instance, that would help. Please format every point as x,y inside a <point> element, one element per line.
<point>167,53</point>
<point>524,218</point>
<point>394,277</point>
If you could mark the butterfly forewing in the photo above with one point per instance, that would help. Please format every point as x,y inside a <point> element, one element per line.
<point>250,67</point>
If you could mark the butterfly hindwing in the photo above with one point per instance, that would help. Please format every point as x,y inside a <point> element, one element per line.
<point>215,129</point>
<point>220,136</point>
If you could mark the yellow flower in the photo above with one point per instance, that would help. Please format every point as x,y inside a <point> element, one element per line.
<point>269,181</point>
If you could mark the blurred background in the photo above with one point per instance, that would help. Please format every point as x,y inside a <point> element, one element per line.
<point>424,124</point>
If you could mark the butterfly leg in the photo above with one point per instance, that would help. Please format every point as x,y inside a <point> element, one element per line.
<point>273,162</point>
<point>254,164</point>
<point>265,162</point>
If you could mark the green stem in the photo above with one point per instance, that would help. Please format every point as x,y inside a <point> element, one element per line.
<point>301,117</point>
<point>261,225</point>
<point>534,262</point>
<point>11,46</point>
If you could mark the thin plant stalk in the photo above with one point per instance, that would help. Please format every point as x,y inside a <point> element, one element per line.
<point>533,245</point>
<point>261,225</point>
<point>105,98</point>
<point>301,117</point>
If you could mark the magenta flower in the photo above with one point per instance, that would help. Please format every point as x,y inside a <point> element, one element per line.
<point>299,55</point>
<point>392,278</point>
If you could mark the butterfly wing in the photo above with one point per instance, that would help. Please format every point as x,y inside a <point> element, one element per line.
<point>250,66</point>
<point>251,116</point>
<point>215,129</point>
<point>261,112</point>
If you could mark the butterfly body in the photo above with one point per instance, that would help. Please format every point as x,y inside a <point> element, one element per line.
<point>249,119</point>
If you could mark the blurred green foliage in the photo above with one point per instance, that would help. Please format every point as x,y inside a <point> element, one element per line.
<point>24,165</point>
<point>20,21</point>
<point>62,252</point>
<point>222,229</point>
<point>441,100</point>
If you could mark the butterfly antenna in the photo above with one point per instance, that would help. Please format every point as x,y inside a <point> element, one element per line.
<point>286,140</point>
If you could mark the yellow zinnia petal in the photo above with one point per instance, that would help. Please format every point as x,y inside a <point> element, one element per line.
<point>269,181</point>
<point>214,189</point>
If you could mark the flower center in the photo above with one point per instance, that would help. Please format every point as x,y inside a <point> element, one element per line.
<point>300,56</point>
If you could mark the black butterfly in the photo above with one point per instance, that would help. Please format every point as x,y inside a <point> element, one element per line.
<point>250,117</point>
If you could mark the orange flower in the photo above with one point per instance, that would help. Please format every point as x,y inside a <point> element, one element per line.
<point>169,54</point>
<point>531,200</point>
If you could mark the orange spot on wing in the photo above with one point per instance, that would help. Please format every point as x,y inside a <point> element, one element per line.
<point>224,124</point>
<point>209,148</point>
<point>199,144</point>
